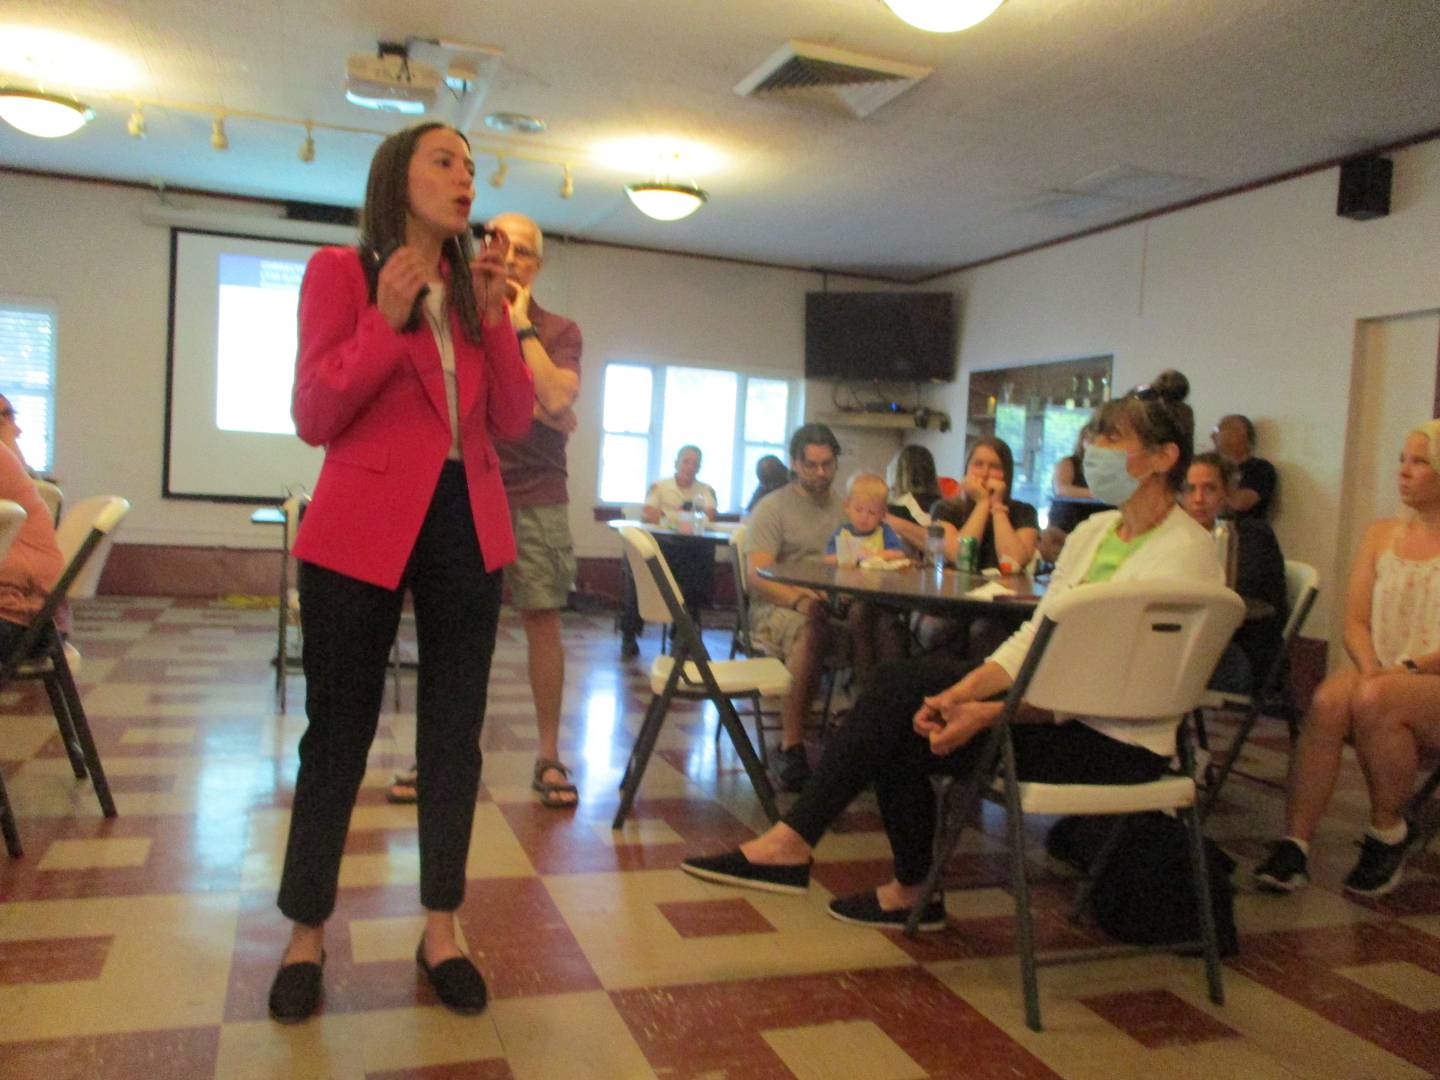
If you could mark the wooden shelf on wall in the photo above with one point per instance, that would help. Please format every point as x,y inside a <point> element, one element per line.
<point>881,421</point>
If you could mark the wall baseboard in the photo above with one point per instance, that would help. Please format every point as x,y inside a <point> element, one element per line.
<point>179,570</point>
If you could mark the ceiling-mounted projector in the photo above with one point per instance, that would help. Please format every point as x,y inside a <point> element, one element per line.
<point>391,81</point>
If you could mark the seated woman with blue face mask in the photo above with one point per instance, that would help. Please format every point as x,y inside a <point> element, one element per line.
<point>922,716</point>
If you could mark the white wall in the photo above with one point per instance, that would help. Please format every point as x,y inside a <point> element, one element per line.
<point>101,255</point>
<point>1255,297</point>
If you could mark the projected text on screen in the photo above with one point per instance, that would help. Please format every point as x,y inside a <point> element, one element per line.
<point>255,343</point>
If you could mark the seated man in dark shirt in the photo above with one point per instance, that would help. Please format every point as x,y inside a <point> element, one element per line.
<point>1255,479</point>
<point>1260,575</point>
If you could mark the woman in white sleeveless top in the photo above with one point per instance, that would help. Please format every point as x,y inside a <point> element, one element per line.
<point>1389,702</point>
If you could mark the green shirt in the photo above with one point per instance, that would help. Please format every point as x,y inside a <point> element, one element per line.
<point>1111,553</point>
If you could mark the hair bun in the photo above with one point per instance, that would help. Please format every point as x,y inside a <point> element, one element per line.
<point>1172,386</point>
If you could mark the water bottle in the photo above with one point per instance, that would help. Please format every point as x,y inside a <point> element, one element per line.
<point>935,547</point>
<point>1227,550</point>
<point>700,504</point>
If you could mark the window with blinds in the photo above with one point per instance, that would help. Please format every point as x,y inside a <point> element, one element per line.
<point>27,376</point>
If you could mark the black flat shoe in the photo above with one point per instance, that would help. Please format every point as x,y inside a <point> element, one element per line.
<point>457,983</point>
<point>295,993</point>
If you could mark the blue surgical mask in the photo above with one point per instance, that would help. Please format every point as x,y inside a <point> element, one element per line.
<point>1106,473</point>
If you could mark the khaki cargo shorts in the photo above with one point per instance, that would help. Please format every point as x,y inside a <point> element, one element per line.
<point>543,573</point>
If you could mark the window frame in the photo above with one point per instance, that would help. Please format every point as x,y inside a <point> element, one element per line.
<point>51,310</point>
<point>655,466</point>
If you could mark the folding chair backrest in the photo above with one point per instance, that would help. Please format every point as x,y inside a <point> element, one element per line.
<point>100,514</point>
<point>737,563</point>
<point>640,548</point>
<point>12,516</point>
<point>1133,649</point>
<point>52,497</point>
<point>1302,586</point>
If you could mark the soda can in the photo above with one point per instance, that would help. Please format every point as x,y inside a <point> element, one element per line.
<point>968,557</point>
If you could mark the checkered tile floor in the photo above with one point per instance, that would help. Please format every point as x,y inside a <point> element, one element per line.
<point>143,946</point>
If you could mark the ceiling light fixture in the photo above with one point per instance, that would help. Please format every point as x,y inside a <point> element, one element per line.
<point>218,139</point>
<point>136,124</point>
<point>502,170</point>
<point>567,184</point>
<point>665,200</point>
<point>943,16</point>
<point>48,116</point>
<point>307,148</point>
<point>513,123</point>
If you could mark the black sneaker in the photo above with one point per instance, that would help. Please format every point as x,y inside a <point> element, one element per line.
<point>794,769</point>
<point>1379,868</point>
<point>1283,869</point>
<point>629,647</point>
<point>733,868</point>
<point>863,909</point>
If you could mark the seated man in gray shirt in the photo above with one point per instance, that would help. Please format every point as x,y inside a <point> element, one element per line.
<point>792,523</point>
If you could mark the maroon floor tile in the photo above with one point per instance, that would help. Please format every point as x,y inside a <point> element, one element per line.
<point>154,1055</point>
<point>567,843</point>
<point>187,854</point>
<point>714,918</point>
<point>1157,1018</point>
<point>53,960</point>
<point>484,1069</point>
<point>715,1029</point>
<point>1299,965</point>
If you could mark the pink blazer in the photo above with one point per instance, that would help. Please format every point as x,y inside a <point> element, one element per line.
<point>375,399</point>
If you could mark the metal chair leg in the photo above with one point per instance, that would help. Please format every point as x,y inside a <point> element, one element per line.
<point>1201,872</point>
<point>7,824</point>
<point>640,756</point>
<point>82,730</point>
<point>1024,925</point>
<point>66,725</point>
<point>1102,860</point>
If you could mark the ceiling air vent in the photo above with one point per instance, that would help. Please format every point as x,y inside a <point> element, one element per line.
<point>855,84</point>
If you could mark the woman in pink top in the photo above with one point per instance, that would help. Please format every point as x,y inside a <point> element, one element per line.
<point>33,564</point>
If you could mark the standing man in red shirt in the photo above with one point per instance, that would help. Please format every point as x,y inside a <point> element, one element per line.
<point>534,471</point>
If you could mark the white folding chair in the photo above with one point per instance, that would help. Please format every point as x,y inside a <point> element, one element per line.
<point>1118,650</point>
<point>1302,586</point>
<point>689,674</point>
<point>85,538</point>
<point>52,497</point>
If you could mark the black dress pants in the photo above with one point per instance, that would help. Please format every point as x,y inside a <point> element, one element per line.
<point>877,745</point>
<point>349,627</point>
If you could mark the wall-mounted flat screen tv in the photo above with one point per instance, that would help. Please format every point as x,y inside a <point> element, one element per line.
<point>886,336</point>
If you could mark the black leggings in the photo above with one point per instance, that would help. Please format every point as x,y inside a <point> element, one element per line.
<point>349,627</point>
<point>877,745</point>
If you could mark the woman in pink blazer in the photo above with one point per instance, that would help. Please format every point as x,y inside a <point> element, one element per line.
<point>407,367</point>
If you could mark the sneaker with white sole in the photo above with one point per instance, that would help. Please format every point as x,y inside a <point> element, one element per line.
<point>1379,868</point>
<point>1284,868</point>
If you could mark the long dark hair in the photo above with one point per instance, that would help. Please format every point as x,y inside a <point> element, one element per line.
<point>382,227</point>
<point>1002,451</point>
<point>912,472</point>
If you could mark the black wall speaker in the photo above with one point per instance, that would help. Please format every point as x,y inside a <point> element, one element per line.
<point>1364,188</point>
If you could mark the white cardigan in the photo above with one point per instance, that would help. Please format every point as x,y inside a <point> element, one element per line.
<point>1177,548</point>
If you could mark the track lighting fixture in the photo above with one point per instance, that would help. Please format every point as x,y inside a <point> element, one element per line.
<point>567,184</point>
<point>136,124</point>
<point>502,170</point>
<point>307,148</point>
<point>218,139</point>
